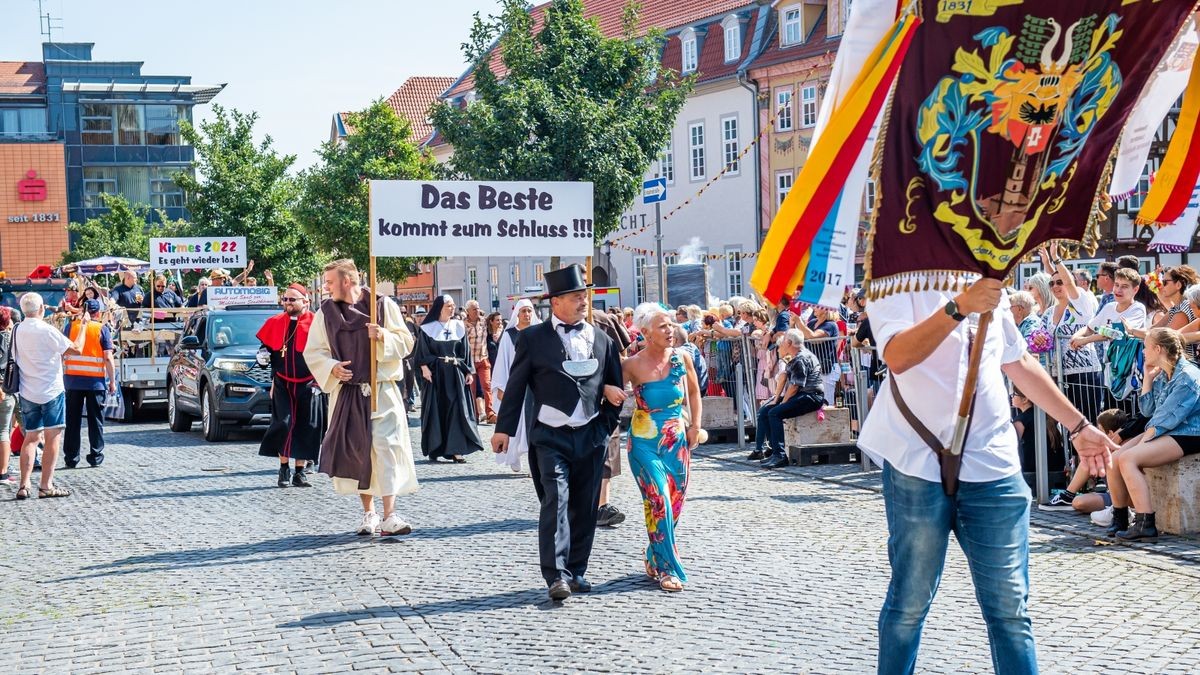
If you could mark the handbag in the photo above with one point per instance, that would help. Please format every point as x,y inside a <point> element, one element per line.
<point>12,373</point>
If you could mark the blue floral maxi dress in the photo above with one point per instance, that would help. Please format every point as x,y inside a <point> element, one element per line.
<point>660,459</point>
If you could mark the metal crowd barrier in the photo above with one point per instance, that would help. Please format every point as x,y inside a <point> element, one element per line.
<point>734,366</point>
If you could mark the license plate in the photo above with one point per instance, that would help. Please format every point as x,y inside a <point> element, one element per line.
<point>155,393</point>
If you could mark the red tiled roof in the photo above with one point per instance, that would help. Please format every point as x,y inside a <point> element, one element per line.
<point>664,14</point>
<point>411,101</point>
<point>817,43</point>
<point>22,77</point>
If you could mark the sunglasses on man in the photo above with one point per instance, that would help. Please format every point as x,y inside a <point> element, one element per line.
<point>293,299</point>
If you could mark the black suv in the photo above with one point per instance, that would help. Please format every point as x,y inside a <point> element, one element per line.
<point>214,375</point>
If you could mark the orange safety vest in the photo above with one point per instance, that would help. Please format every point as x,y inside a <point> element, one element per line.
<point>91,362</point>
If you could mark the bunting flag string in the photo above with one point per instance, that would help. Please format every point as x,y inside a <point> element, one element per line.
<point>736,255</point>
<point>808,76</point>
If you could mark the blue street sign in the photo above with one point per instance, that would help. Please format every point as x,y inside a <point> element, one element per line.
<point>654,190</point>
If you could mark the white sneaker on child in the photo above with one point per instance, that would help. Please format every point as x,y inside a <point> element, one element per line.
<point>1103,517</point>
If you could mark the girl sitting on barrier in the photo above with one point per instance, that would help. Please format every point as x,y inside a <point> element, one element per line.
<point>1171,397</point>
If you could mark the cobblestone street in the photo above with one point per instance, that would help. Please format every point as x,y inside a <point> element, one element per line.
<point>179,555</point>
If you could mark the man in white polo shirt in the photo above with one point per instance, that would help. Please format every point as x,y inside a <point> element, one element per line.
<point>925,341</point>
<point>38,349</point>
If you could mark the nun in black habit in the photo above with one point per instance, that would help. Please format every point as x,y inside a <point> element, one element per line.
<point>447,407</point>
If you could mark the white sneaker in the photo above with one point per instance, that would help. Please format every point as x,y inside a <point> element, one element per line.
<point>1103,517</point>
<point>370,524</point>
<point>394,525</point>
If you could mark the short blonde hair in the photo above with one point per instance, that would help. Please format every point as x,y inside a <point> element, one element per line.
<point>345,267</point>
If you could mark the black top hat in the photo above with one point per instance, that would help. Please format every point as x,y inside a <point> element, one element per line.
<point>566,280</point>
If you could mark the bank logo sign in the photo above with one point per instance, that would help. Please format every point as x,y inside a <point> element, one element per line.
<point>31,188</point>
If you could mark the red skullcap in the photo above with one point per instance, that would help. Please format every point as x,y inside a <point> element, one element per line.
<point>299,288</point>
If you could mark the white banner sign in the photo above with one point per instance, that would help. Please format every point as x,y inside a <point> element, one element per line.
<point>482,218</point>
<point>197,252</point>
<point>227,296</point>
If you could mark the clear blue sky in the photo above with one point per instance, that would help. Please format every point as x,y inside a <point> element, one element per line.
<point>294,62</point>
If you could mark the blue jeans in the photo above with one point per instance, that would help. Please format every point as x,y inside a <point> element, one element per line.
<point>991,522</point>
<point>771,417</point>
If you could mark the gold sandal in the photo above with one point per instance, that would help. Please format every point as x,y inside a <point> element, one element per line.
<point>44,493</point>
<point>670,584</point>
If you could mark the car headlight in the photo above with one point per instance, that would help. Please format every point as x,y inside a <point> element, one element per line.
<point>236,365</point>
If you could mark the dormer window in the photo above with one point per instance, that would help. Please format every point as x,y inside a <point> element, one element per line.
<point>792,20</point>
<point>691,52</point>
<point>732,27</point>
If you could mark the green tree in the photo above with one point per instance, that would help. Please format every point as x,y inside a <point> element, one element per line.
<point>122,231</point>
<point>334,205</point>
<point>242,189</point>
<point>573,105</point>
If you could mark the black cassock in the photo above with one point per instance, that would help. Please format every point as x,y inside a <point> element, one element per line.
<point>297,411</point>
<point>448,424</point>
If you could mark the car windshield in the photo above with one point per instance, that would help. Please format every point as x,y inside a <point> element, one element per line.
<point>232,329</point>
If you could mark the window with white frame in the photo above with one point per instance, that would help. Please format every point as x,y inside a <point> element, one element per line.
<point>514,277</point>
<point>792,29</point>
<point>472,283</point>
<point>733,270</point>
<point>539,272</point>
<point>1134,203</point>
<point>784,120</point>
<point>494,283</point>
<point>783,185</point>
<point>808,106</point>
<point>729,145</point>
<point>690,50</point>
<point>670,259</point>
<point>666,161</point>
<point>696,150</point>
<point>639,278</point>
<point>732,28</point>
<point>869,197</point>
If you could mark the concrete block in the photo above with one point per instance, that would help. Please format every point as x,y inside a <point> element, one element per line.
<point>1175,489</point>
<point>718,413</point>
<point>806,430</point>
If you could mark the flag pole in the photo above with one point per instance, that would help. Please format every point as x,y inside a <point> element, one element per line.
<point>968,395</point>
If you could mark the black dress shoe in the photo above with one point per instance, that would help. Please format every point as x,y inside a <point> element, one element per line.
<point>285,475</point>
<point>300,477</point>
<point>95,459</point>
<point>757,454</point>
<point>559,591</point>
<point>580,585</point>
<point>778,460</point>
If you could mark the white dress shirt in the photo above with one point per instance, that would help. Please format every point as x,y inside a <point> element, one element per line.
<point>578,345</point>
<point>932,390</point>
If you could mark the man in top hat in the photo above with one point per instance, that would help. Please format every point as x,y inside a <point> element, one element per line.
<point>295,431</point>
<point>573,373</point>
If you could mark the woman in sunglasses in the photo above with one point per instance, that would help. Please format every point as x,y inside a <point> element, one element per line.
<point>1070,312</point>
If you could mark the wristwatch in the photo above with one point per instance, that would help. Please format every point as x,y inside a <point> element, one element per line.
<point>952,311</point>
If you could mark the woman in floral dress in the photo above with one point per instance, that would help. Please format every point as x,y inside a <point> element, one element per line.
<point>661,438</point>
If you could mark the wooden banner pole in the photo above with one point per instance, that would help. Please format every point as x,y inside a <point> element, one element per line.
<point>153,340</point>
<point>374,320</point>
<point>588,276</point>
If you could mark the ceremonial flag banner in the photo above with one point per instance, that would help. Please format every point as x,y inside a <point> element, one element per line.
<point>485,218</point>
<point>1177,237</point>
<point>999,135</point>
<point>197,252</point>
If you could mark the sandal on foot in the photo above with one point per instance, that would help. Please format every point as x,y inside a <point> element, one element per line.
<point>55,491</point>
<point>670,584</point>
<point>22,493</point>
<point>651,572</point>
